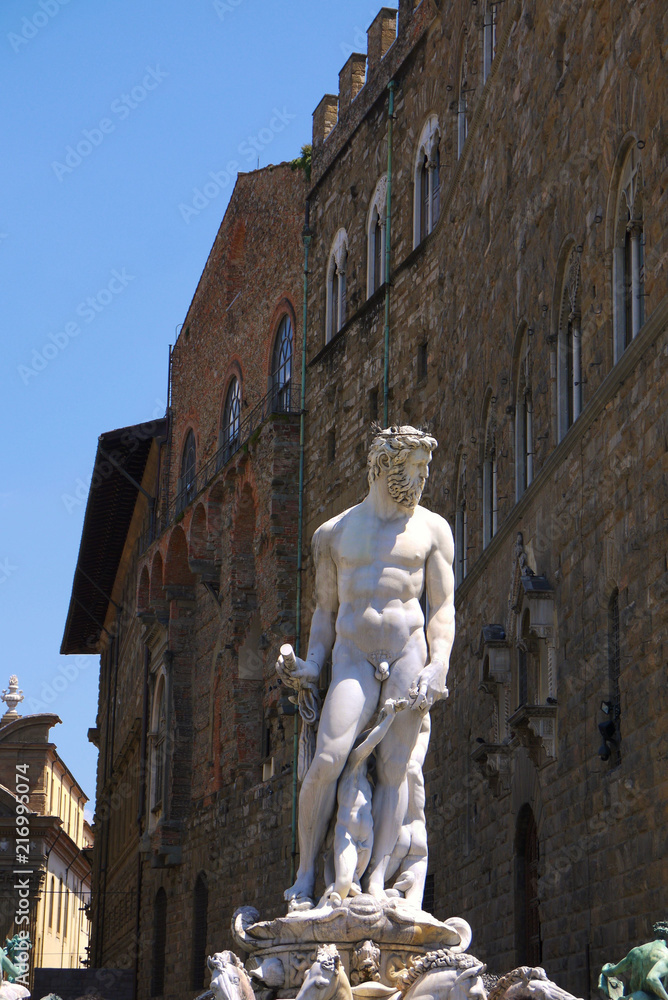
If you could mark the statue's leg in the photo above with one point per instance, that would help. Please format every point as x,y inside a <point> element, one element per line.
<point>655,976</point>
<point>349,706</point>
<point>390,797</point>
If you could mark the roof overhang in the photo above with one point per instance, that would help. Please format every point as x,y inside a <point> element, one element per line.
<point>119,467</point>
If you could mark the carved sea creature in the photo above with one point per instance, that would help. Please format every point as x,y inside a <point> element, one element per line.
<point>229,979</point>
<point>439,975</point>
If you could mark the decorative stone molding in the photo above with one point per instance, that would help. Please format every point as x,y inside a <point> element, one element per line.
<point>535,726</point>
<point>11,697</point>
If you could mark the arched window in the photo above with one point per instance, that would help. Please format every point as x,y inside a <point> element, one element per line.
<point>569,347</point>
<point>200,931</point>
<point>281,367</point>
<point>523,421</point>
<point>488,38</point>
<point>376,238</point>
<point>188,477</point>
<point>527,914</point>
<point>464,90</point>
<point>158,745</point>
<point>159,943</point>
<point>489,482</point>
<point>461,525</point>
<point>628,255</point>
<point>336,286</point>
<point>231,421</point>
<point>427,184</point>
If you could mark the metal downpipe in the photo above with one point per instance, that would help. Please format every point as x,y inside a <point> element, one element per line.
<point>388,240</point>
<point>306,237</point>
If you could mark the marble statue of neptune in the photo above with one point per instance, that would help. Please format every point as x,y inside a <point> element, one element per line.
<point>373,562</point>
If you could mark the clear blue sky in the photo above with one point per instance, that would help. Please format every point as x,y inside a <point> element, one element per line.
<point>113,113</point>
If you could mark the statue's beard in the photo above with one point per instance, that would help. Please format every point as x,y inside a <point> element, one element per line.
<point>403,489</point>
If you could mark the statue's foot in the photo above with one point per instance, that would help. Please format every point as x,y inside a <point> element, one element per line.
<point>329,898</point>
<point>377,891</point>
<point>405,882</point>
<point>300,895</point>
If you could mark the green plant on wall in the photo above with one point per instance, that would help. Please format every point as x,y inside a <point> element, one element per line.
<point>303,161</point>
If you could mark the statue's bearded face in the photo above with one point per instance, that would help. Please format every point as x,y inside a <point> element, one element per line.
<point>406,478</point>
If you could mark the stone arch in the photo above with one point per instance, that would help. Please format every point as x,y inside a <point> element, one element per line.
<point>426,179</point>
<point>200,549</point>
<point>156,587</point>
<point>335,314</point>
<point>628,142</point>
<point>177,570</point>
<point>246,629</point>
<point>624,241</point>
<point>375,237</point>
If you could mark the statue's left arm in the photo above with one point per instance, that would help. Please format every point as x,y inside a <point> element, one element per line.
<point>440,630</point>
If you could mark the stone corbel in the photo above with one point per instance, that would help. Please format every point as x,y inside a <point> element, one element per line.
<point>493,762</point>
<point>535,727</point>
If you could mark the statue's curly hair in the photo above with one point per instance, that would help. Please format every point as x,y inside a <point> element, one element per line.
<point>392,444</point>
<point>660,929</point>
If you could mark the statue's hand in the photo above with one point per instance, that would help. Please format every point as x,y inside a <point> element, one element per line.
<point>297,673</point>
<point>429,686</point>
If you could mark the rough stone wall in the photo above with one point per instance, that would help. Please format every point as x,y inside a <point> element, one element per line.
<point>534,190</point>
<point>232,321</point>
<point>213,598</point>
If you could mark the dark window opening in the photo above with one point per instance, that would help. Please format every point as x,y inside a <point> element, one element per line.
<point>613,674</point>
<point>422,362</point>
<point>188,482</point>
<point>373,404</point>
<point>331,445</point>
<point>527,924</point>
<point>377,255</point>
<point>428,898</point>
<point>436,188</point>
<point>200,929</point>
<point>159,944</point>
<point>628,288</point>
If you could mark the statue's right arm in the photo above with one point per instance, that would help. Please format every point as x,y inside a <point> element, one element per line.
<point>323,623</point>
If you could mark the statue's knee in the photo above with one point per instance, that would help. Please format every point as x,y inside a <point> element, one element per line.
<point>324,768</point>
<point>392,772</point>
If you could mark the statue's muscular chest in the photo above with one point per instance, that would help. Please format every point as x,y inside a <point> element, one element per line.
<point>362,543</point>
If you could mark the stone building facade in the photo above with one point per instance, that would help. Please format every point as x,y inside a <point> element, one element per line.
<point>524,321</point>
<point>527,328</point>
<point>45,846</point>
<point>191,531</point>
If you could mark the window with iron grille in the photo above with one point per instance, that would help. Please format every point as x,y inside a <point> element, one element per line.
<point>281,367</point>
<point>231,420</point>
<point>187,480</point>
